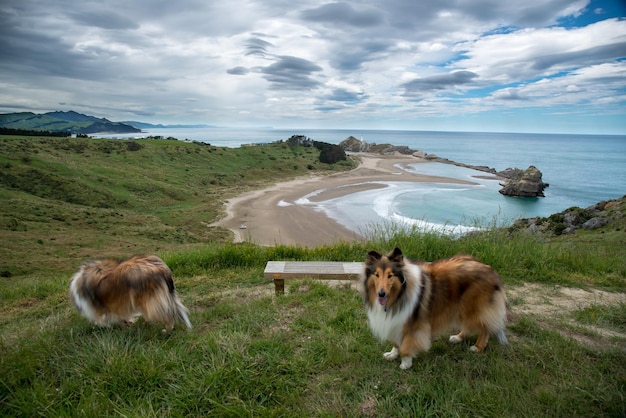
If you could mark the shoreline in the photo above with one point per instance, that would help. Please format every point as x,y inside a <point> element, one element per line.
<point>273,216</point>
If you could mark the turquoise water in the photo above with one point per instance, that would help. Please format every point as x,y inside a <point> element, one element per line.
<point>581,170</point>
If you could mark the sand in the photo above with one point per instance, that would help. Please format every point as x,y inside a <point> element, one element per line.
<point>271,216</point>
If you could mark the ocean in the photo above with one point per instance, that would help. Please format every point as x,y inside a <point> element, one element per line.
<point>581,170</point>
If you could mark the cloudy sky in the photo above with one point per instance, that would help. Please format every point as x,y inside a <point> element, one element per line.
<point>473,65</point>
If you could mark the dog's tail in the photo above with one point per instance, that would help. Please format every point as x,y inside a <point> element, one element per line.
<point>501,337</point>
<point>181,311</point>
<point>165,307</point>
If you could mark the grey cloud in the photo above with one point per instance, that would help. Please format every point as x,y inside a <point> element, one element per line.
<point>34,45</point>
<point>343,95</point>
<point>257,46</point>
<point>438,82</point>
<point>40,54</point>
<point>103,19</point>
<point>238,71</point>
<point>414,15</point>
<point>291,73</point>
<point>351,55</point>
<point>423,17</point>
<point>343,13</point>
<point>328,108</point>
<point>584,57</point>
<point>285,73</point>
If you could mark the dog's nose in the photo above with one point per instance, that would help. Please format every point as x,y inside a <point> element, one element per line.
<point>381,293</point>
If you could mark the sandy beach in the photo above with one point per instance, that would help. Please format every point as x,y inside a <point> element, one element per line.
<point>272,215</point>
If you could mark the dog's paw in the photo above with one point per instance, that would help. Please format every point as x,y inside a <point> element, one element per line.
<point>455,339</point>
<point>391,355</point>
<point>406,363</point>
<point>475,349</point>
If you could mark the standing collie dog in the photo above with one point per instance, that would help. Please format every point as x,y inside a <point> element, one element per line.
<point>108,291</point>
<point>409,302</point>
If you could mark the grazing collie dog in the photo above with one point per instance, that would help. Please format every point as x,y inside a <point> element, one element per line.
<point>410,302</point>
<point>108,291</point>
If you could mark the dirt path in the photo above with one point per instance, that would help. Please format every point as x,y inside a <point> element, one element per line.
<point>554,307</point>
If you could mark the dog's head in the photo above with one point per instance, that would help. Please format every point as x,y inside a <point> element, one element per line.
<point>384,280</point>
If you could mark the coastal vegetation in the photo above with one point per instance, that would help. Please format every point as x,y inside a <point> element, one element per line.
<point>250,352</point>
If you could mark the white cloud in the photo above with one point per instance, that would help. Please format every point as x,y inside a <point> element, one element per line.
<point>312,62</point>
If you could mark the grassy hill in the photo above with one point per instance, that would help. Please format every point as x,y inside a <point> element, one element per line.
<point>251,353</point>
<point>72,199</point>
<point>73,122</point>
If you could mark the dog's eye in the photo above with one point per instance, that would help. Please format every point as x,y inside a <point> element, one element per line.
<point>390,276</point>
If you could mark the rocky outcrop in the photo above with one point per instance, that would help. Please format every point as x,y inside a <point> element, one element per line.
<point>522,183</point>
<point>352,144</point>
<point>575,218</point>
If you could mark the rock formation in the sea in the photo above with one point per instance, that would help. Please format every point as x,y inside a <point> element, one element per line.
<point>522,183</point>
<point>601,214</point>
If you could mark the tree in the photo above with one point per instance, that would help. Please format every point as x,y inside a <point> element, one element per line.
<point>330,153</point>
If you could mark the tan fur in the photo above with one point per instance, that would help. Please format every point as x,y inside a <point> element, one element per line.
<point>411,302</point>
<point>109,291</point>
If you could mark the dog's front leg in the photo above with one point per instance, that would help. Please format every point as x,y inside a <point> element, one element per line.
<point>407,351</point>
<point>393,354</point>
<point>406,362</point>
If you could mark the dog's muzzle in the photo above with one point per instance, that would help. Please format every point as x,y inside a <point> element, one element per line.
<point>382,297</point>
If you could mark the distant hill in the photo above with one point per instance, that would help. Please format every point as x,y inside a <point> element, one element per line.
<point>71,121</point>
<point>144,125</point>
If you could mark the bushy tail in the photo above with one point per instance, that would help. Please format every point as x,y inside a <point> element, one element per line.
<point>182,313</point>
<point>501,337</point>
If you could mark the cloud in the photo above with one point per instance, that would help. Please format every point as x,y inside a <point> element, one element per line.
<point>238,71</point>
<point>291,73</point>
<point>343,95</point>
<point>589,56</point>
<point>529,53</point>
<point>103,19</point>
<point>276,62</point>
<point>257,46</point>
<point>343,14</point>
<point>438,82</point>
<point>507,94</point>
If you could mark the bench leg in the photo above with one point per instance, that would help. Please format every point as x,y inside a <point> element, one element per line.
<point>279,285</point>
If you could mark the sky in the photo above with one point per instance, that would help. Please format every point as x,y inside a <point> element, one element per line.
<point>551,66</point>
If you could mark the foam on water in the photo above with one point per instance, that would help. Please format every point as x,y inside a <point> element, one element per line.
<point>448,208</point>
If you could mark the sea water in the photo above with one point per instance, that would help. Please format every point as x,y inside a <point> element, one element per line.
<point>580,169</point>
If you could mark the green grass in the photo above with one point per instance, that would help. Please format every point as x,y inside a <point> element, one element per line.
<point>308,353</point>
<point>250,352</point>
<point>610,317</point>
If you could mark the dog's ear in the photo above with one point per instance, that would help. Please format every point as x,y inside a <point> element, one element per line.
<point>396,255</point>
<point>373,256</point>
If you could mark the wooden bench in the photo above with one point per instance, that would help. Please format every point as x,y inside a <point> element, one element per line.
<point>325,270</point>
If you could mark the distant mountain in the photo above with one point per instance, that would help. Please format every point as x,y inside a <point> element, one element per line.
<point>71,121</point>
<point>144,125</point>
